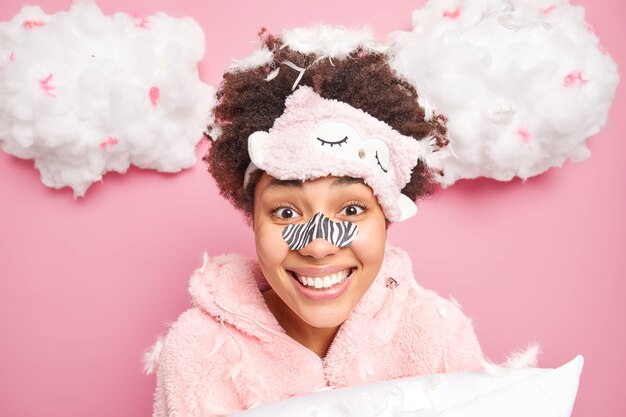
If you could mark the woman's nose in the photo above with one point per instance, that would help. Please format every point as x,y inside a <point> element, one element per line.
<point>319,248</point>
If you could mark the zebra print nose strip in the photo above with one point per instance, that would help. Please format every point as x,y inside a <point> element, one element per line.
<point>340,234</point>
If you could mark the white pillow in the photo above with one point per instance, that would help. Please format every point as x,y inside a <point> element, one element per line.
<point>523,392</point>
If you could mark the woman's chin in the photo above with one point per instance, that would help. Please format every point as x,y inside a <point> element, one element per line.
<point>324,321</point>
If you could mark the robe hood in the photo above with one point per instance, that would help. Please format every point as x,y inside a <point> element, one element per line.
<point>229,287</point>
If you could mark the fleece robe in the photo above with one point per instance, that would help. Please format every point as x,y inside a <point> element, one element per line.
<point>228,352</point>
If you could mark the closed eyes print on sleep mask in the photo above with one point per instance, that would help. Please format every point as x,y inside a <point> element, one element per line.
<point>340,234</point>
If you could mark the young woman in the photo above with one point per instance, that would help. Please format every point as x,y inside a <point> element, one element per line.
<point>321,149</point>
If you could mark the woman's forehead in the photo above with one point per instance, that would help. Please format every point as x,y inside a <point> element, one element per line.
<point>331,182</point>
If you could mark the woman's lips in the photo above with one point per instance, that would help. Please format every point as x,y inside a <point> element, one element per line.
<point>320,294</point>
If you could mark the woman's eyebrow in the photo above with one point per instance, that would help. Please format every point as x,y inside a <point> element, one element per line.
<point>282,183</point>
<point>345,181</point>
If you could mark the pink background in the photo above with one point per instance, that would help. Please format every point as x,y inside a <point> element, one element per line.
<point>87,285</point>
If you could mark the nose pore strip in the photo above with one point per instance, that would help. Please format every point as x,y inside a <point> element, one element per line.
<point>340,234</point>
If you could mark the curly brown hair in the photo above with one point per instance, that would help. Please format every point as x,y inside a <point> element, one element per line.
<point>246,103</point>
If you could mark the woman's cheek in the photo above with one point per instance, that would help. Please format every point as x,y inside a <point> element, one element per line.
<point>271,247</point>
<point>369,244</point>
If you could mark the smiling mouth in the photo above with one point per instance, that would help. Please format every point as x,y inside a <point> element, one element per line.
<point>323,282</point>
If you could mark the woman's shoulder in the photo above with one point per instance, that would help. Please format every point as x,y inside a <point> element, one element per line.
<point>191,334</point>
<point>433,310</point>
<point>439,329</point>
<point>224,263</point>
<point>231,275</point>
<point>422,304</point>
<point>191,359</point>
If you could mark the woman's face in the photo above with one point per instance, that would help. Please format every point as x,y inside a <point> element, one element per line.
<point>278,204</point>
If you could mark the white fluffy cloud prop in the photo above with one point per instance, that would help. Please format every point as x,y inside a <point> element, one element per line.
<point>523,83</point>
<point>84,93</point>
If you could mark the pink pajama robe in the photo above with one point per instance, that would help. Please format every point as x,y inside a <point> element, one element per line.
<point>228,352</point>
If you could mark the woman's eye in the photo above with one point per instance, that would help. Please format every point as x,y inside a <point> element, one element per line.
<point>352,210</point>
<point>285,213</point>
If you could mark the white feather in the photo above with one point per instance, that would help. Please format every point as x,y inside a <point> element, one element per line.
<point>205,261</point>
<point>521,358</point>
<point>235,370</point>
<point>455,301</point>
<point>151,357</point>
<point>220,339</point>
<point>426,104</point>
<point>258,58</point>
<point>273,74</point>
<point>330,41</point>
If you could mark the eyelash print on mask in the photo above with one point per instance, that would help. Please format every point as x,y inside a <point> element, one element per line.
<point>379,164</point>
<point>341,142</point>
<point>340,234</point>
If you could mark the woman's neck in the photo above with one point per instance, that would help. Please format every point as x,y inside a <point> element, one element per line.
<point>316,339</point>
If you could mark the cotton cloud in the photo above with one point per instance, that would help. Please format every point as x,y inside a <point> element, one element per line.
<point>84,93</point>
<point>524,84</point>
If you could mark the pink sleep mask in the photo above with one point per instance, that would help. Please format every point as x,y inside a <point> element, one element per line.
<point>316,137</point>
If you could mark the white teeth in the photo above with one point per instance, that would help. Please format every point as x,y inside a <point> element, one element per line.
<point>324,282</point>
